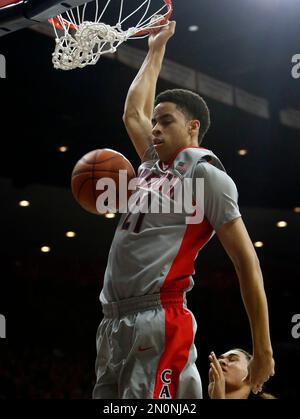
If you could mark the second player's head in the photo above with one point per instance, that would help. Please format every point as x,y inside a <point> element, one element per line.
<point>234,364</point>
<point>180,118</point>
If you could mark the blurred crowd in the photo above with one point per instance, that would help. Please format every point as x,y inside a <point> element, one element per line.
<point>38,374</point>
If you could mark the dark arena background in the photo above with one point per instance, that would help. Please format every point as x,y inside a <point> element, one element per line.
<point>243,57</point>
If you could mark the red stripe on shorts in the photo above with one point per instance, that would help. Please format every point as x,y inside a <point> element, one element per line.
<point>179,334</point>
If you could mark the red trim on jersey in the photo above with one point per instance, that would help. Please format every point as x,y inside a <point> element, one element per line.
<point>169,162</point>
<point>195,237</point>
<point>179,334</point>
<point>4,3</point>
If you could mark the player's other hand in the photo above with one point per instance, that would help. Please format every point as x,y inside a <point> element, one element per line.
<point>260,369</point>
<point>216,387</point>
<point>159,37</point>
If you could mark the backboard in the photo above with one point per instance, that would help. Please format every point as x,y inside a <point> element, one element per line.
<point>16,14</point>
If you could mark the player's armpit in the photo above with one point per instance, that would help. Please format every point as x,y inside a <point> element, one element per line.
<point>139,129</point>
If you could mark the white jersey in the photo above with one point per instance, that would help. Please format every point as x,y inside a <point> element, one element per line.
<point>155,252</point>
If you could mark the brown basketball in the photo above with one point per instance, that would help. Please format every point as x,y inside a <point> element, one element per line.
<point>95,165</point>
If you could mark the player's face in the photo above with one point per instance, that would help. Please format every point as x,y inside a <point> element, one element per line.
<point>171,130</point>
<point>234,365</point>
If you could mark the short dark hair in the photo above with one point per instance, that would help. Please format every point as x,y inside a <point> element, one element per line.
<point>191,104</point>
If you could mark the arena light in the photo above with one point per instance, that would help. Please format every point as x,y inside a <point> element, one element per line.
<point>45,249</point>
<point>242,152</point>
<point>258,244</point>
<point>193,28</point>
<point>70,234</point>
<point>110,215</point>
<point>63,148</point>
<point>24,203</point>
<point>297,210</point>
<point>281,224</point>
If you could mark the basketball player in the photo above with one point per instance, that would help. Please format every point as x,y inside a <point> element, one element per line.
<point>145,342</point>
<point>227,376</point>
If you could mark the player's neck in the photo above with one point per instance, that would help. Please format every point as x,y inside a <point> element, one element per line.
<point>241,393</point>
<point>169,161</point>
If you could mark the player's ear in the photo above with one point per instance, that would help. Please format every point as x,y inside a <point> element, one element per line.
<point>194,126</point>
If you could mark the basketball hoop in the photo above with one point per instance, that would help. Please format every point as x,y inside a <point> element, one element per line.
<point>84,41</point>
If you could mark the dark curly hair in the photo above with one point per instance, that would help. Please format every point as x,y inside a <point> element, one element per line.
<point>191,104</point>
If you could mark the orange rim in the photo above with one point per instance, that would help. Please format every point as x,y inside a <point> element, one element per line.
<point>57,21</point>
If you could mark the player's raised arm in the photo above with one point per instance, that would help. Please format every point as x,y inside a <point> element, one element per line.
<point>140,98</point>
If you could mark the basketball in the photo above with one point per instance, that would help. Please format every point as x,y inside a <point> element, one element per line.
<point>93,166</point>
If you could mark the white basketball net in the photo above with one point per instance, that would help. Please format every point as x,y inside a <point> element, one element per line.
<point>83,42</point>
